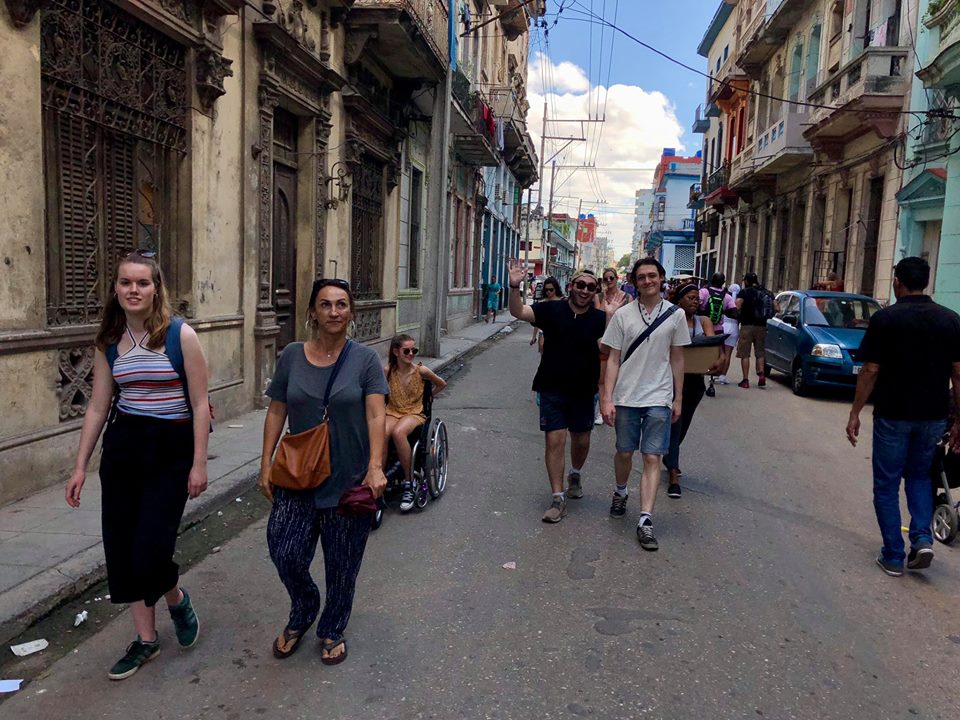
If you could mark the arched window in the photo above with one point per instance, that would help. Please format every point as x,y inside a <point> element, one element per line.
<point>813,58</point>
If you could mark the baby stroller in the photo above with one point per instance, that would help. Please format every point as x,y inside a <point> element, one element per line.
<point>945,476</point>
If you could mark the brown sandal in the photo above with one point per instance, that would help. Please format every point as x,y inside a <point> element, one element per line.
<point>331,645</point>
<point>282,647</point>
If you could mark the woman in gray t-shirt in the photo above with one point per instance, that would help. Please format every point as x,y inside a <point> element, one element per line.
<point>357,427</point>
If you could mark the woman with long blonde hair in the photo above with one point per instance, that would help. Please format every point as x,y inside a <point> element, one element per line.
<point>150,390</point>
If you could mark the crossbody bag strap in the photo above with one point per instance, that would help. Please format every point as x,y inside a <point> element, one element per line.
<point>648,332</point>
<point>333,376</point>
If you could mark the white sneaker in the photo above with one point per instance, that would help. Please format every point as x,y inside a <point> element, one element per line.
<point>598,419</point>
<point>407,499</point>
<point>722,380</point>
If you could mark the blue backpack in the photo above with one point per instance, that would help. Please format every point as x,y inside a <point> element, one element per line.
<point>174,352</point>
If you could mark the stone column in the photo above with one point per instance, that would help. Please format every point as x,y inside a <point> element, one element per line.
<point>265,328</point>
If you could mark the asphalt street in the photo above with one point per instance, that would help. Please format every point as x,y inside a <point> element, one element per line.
<point>764,599</point>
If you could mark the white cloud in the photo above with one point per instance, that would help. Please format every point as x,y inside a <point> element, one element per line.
<point>639,124</point>
<point>561,77</point>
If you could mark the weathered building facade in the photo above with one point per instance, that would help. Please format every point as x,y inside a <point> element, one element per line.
<point>253,147</point>
<point>812,105</point>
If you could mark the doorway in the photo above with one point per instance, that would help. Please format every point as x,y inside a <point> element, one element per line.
<point>284,276</point>
<point>868,273</point>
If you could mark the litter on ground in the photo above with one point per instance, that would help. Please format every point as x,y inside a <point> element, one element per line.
<point>28,648</point>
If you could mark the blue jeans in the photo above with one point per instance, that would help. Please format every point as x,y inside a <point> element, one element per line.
<point>903,449</point>
<point>646,429</point>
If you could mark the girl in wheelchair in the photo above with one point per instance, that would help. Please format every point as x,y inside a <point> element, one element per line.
<point>405,412</point>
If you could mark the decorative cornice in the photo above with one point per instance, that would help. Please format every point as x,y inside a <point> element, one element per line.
<point>212,68</point>
<point>22,11</point>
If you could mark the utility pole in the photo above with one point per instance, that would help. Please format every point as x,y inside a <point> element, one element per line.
<point>553,176</point>
<point>576,237</point>
<point>435,288</point>
<point>543,158</point>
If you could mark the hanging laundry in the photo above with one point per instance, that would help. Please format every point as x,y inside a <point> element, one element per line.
<point>500,135</point>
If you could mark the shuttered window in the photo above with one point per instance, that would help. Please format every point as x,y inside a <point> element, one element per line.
<point>114,130</point>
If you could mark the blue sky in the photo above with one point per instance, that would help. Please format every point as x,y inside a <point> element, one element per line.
<point>651,104</point>
<point>673,26</point>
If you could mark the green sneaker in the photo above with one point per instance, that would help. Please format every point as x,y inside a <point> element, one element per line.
<point>185,621</point>
<point>138,653</point>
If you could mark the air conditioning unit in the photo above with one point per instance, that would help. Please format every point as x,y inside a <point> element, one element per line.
<point>497,192</point>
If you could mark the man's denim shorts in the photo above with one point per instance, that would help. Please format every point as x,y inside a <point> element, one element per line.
<point>646,429</point>
<point>564,412</point>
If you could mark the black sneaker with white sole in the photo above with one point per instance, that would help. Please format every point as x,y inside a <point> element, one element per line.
<point>618,508</point>
<point>648,541</point>
<point>920,558</point>
<point>674,491</point>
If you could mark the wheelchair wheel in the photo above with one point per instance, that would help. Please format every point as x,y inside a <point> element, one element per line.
<point>438,450</point>
<point>421,498</point>
<point>377,520</point>
<point>946,524</point>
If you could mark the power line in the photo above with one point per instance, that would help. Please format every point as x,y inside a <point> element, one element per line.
<point>602,21</point>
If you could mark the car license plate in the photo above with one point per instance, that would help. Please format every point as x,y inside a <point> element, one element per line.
<point>856,369</point>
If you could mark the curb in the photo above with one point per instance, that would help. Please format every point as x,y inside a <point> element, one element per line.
<point>75,575</point>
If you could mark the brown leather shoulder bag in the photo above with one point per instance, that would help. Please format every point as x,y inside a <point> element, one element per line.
<point>302,461</point>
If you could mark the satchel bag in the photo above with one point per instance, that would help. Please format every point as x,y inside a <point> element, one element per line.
<point>303,459</point>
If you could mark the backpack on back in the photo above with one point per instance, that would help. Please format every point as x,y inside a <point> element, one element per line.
<point>715,305</point>
<point>764,305</point>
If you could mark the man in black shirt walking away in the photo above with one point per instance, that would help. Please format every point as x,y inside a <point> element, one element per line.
<point>755,305</point>
<point>910,354</point>
<point>567,379</point>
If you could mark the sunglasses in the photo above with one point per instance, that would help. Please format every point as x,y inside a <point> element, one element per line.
<point>149,254</point>
<point>550,290</point>
<point>609,278</point>
<point>409,351</point>
<point>336,282</point>
<point>580,285</point>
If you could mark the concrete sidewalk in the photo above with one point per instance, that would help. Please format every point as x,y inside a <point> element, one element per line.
<point>50,552</point>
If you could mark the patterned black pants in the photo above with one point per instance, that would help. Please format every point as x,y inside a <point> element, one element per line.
<point>294,527</point>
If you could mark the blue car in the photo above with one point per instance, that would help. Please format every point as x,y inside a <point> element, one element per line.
<point>816,336</point>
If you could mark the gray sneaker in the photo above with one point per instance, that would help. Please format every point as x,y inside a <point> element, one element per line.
<point>556,511</point>
<point>574,488</point>
<point>648,540</point>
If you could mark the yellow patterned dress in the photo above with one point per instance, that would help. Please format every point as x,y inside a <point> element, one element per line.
<point>406,400</point>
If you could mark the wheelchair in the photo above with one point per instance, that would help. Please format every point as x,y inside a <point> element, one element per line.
<point>429,461</point>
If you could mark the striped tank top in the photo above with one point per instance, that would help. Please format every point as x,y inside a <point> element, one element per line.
<point>149,384</point>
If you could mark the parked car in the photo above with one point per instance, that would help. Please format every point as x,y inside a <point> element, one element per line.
<point>815,337</point>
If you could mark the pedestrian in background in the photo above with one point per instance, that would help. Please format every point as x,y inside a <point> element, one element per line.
<point>643,388</point>
<point>717,304</point>
<point>731,328</point>
<point>755,305</point>
<point>298,518</point>
<point>687,298</point>
<point>551,291</point>
<point>611,298</point>
<point>150,380</point>
<point>493,300</point>
<point>566,380</point>
<point>910,354</point>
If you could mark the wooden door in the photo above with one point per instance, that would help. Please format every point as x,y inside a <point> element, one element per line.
<point>285,253</point>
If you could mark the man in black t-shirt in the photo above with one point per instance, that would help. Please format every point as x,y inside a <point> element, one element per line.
<point>910,354</point>
<point>753,331</point>
<point>567,379</point>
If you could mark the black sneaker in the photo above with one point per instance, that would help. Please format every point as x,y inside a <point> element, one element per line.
<point>889,568</point>
<point>761,381</point>
<point>673,490</point>
<point>920,558</point>
<point>185,622</point>
<point>618,508</point>
<point>574,488</point>
<point>711,391</point>
<point>648,540</point>
<point>407,499</point>
<point>138,653</point>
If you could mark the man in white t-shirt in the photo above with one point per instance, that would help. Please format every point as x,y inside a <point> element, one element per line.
<point>642,388</point>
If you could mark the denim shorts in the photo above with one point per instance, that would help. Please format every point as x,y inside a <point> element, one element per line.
<point>646,429</point>
<point>559,411</point>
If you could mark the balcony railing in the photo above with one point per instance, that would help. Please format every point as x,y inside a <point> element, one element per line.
<point>701,123</point>
<point>429,17</point>
<point>940,123</point>
<point>719,178</point>
<point>879,72</point>
<point>782,145</point>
